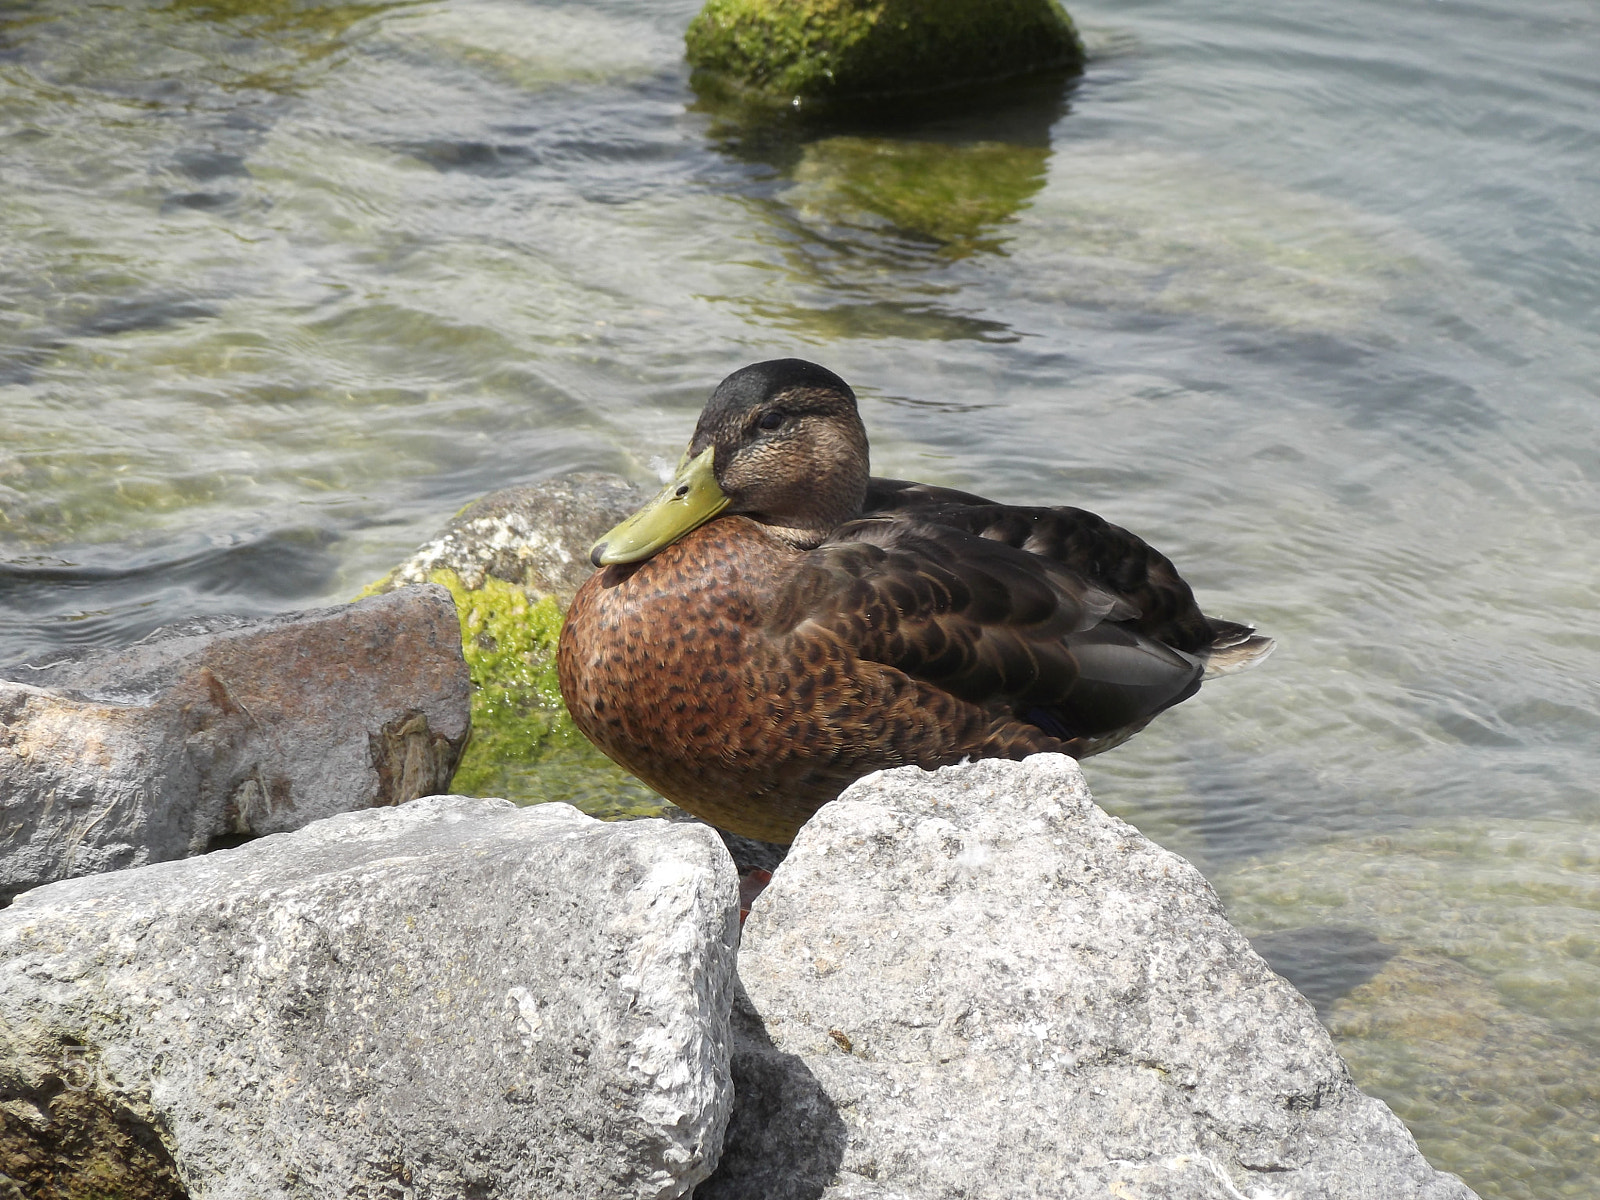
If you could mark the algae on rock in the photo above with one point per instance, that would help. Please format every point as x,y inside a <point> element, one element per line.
<point>820,48</point>
<point>512,561</point>
<point>957,195</point>
<point>524,745</point>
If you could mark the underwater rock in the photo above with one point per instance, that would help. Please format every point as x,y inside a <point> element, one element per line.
<point>1502,1097</point>
<point>971,981</point>
<point>958,197</point>
<point>222,728</point>
<point>453,997</point>
<point>1475,1023</point>
<point>815,49</point>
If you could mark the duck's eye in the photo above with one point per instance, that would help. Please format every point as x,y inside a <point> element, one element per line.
<point>770,420</point>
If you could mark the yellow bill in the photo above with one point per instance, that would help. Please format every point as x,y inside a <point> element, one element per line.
<point>690,500</point>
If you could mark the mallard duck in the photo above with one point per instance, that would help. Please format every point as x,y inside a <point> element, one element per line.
<point>776,623</point>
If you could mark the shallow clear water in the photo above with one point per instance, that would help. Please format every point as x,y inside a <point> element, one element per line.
<point>1306,296</point>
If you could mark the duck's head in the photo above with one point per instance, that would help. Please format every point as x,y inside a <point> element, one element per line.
<point>780,442</point>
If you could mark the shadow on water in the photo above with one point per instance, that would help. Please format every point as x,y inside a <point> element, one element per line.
<point>1325,962</point>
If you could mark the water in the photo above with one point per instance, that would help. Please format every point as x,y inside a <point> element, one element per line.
<point>1305,296</point>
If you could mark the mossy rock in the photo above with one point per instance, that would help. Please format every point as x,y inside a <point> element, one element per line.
<point>817,49</point>
<point>524,745</point>
<point>511,561</point>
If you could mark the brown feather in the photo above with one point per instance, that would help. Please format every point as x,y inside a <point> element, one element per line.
<point>754,668</point>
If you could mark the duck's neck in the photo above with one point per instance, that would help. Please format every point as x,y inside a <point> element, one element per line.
<point>811,513</point>
<point>805,536</point>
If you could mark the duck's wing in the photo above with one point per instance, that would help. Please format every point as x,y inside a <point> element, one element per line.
<point>1104,554</point>
<point>986,621</point>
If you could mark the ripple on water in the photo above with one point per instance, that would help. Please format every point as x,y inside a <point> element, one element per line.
<point>1303,296</point>
<point>1463,986</point>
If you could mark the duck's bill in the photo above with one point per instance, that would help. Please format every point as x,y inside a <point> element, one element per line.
<point>686,503</point>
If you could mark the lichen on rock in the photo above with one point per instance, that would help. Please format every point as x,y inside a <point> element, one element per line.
<point>815,49</point>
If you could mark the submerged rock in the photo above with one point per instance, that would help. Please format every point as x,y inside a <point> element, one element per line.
<point>821,48</point>
<point>957,196</point>
<point>1475,1024</point>
<point>223,728</point>
<point>450,998</point>
<point>975,982</point>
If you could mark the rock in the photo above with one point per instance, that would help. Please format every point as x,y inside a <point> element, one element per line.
<point>450,998</point>
<point>225,728</point>
<point>536,536</point>
<point>512,561</point>
<point>961,196</point>
<point>976,983</point>
<point>1507,1099</point>
<point>814,49</point>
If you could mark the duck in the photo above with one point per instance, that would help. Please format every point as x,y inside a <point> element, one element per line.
<point>777,623</point>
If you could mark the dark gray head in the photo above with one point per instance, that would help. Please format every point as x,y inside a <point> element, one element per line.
<point>779,442</point>
<point>791,450</point>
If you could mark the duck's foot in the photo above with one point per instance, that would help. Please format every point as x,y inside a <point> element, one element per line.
<point>751,884</point>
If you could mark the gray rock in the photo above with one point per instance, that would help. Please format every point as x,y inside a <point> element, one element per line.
<point>450,998</point>
<point>226,728</point>
<point>976,983</point>
<point>536,536</point>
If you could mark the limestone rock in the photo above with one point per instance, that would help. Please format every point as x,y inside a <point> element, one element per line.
<point>976,983</point>
<point>536,536</point>
<point>225,727</point>
<point>822,48</point>
<point>450,998</point>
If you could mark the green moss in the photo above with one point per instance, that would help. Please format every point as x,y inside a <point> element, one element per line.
<point>954,194</point>
<point>822,48</point>
<point>524,745</point>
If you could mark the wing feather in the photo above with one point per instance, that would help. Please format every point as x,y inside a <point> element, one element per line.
<point>1121,563</point>
<point>987,620</point>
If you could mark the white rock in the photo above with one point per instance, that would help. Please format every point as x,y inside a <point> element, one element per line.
<point>976,983</point>
<point>450,998</point>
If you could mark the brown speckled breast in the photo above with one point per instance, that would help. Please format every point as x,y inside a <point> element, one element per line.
<point>671,668</point>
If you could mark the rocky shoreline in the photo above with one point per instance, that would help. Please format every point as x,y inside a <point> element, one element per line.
<point>222,729</point>
<point>963,983</point>
<point>970,982</point>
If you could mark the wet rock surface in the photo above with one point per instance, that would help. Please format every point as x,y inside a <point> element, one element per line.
<point>226,728</point>
<point>454,997</point>
<point>976,983</point>
<point>536,536</point>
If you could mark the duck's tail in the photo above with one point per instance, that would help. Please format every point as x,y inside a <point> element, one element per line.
<point>1234,648</point>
